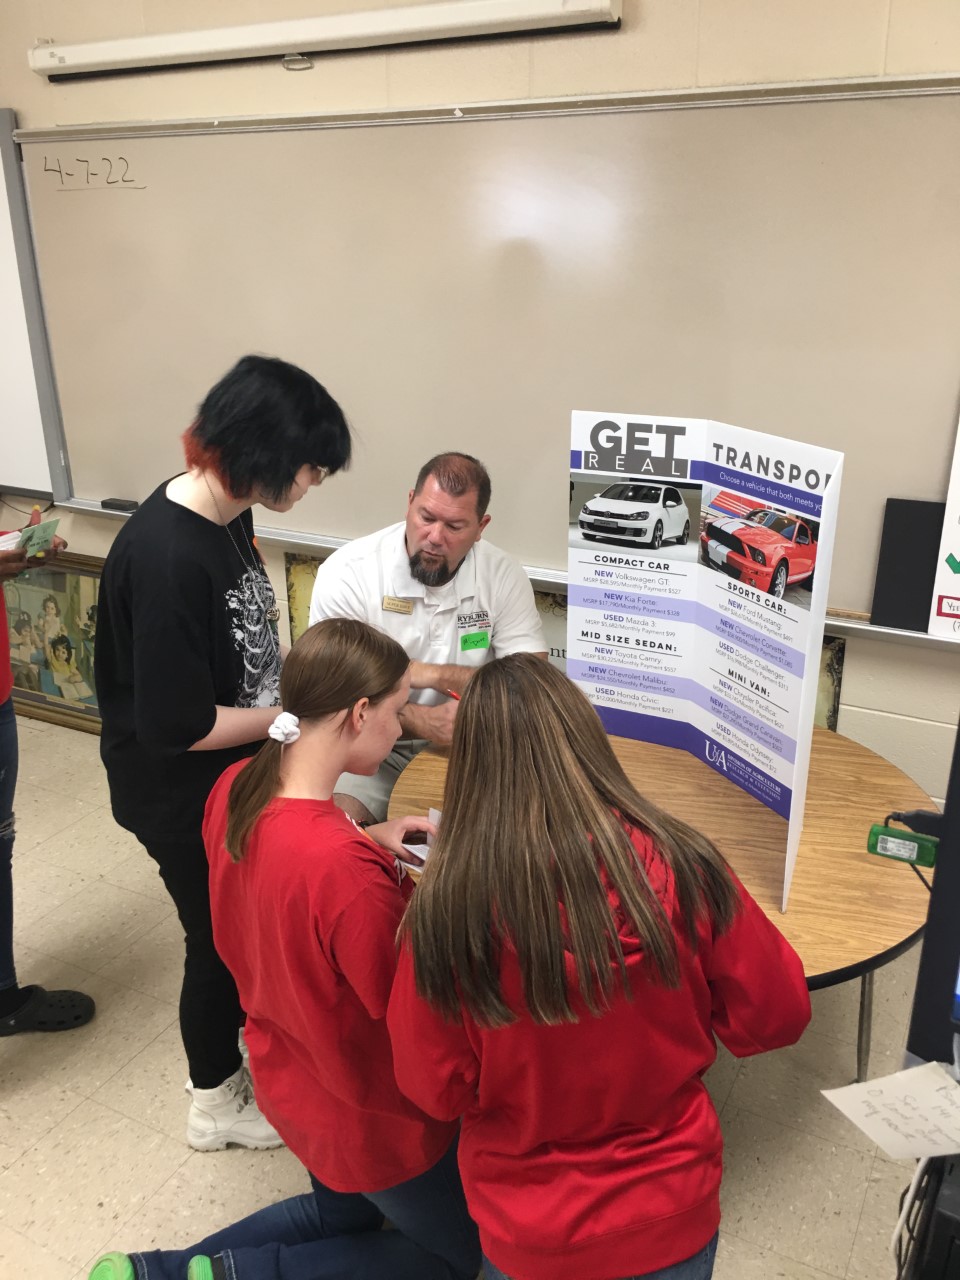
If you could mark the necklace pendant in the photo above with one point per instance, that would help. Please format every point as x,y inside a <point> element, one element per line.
<point>273,615</point>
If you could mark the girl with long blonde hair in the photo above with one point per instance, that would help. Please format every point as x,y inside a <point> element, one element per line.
<point>570,954</point>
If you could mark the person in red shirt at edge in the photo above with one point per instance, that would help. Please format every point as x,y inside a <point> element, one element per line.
<point>566,962</point>
<point>30,1008</point>
<point>305,909</point>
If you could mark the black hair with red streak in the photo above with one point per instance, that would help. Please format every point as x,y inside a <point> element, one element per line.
<point>261,423</point>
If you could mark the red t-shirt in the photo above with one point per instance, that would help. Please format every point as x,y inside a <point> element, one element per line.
<point>6,675</point>
<point>592,1149</point>
<point>306,922</point>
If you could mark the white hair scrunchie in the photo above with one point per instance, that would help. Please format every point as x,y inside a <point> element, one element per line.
<point>286,728</point>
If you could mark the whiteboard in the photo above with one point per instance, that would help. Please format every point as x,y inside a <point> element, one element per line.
<point>791,267</point>
<point>25,380</point>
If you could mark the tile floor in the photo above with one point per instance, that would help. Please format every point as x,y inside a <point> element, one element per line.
<point>92,1154</point>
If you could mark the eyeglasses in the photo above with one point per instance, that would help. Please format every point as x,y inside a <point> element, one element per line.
<point>320,474</point>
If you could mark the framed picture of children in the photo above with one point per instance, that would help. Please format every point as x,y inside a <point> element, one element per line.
<point>51,618</point>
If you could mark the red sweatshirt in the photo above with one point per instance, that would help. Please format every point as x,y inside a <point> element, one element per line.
<point>306,922</point>
<point>592,1150</point>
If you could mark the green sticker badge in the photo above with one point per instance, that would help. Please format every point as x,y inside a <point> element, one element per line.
<point>475,640</point>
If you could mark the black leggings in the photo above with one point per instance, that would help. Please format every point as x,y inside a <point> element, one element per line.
<point>210,1011</point>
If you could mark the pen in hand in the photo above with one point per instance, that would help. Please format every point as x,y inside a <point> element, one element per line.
<point>452,693</point>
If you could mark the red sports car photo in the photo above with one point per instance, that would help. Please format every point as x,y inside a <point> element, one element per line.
<point>765,549</point>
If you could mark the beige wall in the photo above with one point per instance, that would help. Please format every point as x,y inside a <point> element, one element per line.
<point>902,701</point>
<point>663,44</point>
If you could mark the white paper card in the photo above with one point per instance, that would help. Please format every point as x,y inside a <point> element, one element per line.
<point>32,537</point>
<point>910,1114</point>
<point>422,850</point>
<point>35,538</point>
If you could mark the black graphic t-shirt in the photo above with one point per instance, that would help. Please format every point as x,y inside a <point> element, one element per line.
<point>182,628</point>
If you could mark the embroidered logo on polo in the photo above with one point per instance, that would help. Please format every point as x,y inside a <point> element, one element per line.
<point>477,621</point>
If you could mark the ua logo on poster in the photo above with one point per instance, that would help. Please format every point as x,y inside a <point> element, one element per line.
<point>715,755</point>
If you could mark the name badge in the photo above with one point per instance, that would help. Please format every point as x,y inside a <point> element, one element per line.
<point>391,604</point>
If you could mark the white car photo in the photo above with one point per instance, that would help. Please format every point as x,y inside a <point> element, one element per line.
<point>636,510</point>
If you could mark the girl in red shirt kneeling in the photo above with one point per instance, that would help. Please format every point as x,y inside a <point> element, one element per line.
<point>305,911</point>
<point>569,956</point>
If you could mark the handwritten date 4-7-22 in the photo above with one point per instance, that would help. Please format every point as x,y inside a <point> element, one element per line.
<point>88,173</point>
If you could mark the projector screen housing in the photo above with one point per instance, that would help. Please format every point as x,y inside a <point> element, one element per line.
<point>451,20</point>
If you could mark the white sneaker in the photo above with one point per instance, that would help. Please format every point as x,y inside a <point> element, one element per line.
<point>229,1114</point>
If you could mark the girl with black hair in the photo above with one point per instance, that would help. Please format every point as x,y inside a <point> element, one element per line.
<point>187,670</point>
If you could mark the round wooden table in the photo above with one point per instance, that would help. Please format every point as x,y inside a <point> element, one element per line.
<point>849,912</point>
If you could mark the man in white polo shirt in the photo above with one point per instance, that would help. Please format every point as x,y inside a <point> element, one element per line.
<point>452,600</point>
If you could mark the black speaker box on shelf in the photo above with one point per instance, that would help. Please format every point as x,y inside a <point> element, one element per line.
<point>907,564</point>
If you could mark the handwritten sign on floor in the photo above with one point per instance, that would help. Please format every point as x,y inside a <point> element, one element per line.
<point>910,1114</point>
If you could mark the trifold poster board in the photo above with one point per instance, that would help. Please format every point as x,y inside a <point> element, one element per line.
<point>699,560</point>
<point>945,606</point>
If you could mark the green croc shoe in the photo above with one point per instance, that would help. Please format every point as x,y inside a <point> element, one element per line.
<point>113,1266</point>
<point>200,1268</point>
